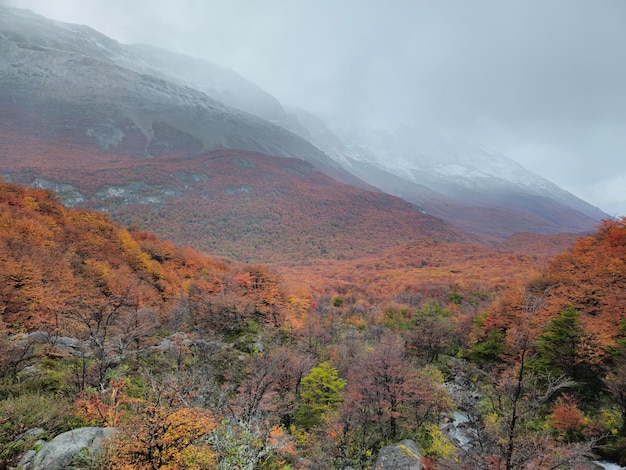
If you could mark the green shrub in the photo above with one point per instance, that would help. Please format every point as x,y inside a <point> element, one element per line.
<point>29,411</point>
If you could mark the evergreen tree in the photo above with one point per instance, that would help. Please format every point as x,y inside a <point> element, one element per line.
<point>321,393</point>
<point>558,344</point>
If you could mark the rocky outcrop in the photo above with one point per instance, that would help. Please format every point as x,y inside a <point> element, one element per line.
<point>402,456</point>
<point>63,449</point>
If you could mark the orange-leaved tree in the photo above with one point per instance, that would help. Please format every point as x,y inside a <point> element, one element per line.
<point>163,438</point>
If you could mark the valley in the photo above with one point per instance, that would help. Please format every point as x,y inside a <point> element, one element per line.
<point>213,281</point>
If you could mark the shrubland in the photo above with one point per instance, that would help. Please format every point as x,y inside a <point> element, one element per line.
<point>207,363</point>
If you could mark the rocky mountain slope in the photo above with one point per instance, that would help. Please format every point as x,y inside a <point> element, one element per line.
<point>168,158</point>
<point>70,82</point>
<point>246,206</point>
<point>480,190</point>
<point>74,99</point>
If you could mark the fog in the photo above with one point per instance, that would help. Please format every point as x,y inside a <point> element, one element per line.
<point>542,81</point>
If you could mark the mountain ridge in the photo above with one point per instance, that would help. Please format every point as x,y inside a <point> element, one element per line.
<point>53,73</point>
<point>106,101</point>
<point>458,181</point>
<point>247,206</point>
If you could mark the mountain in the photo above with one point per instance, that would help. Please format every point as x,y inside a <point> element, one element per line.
<point>71,83</point>
<point>219,83</point>
<point>480,190</point>
<point>246,206</point>
<point>166,157</point>
<point>198,361</point>
<point>77,102</point>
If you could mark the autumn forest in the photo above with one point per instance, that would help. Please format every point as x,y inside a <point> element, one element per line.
<point>194,275</point>
<point>486,358</point>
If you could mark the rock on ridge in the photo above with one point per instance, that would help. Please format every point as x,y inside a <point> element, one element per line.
<point>401,456</point>
<point>61,451</point>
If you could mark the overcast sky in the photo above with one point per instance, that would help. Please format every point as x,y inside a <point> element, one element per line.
<point>543,81</point>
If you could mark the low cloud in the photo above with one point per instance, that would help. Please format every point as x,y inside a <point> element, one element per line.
<point>544,82</point>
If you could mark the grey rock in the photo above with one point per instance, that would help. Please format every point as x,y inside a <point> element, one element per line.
<point>35,432</point>
<point>27,458</point>
<point>60,451</point>
<point>44,337</point>
<point>133,99</point>
<point>404,455</point>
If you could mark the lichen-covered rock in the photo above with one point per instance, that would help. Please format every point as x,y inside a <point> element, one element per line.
<point>60,451</point>
<point>402,456</point>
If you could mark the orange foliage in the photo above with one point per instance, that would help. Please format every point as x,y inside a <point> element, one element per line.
<point>591,277</point>
<point>262,286</point>
<point>53,259</point>
<point>165,439</point>
<point>429,268</point>
<point>107,407</point>
<point>283,443</point>
<point>260,209</point>
<point>567,420</point>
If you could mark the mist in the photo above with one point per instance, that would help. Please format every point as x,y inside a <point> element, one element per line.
<point>542,82</point>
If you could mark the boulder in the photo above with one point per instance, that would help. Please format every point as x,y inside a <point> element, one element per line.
<point>401,456</point>
<point>60,451</point>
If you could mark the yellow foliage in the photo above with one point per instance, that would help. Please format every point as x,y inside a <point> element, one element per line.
<point>611,420</point>
<point>136,257</point>
<point>491,422</point>
<point>86,216</point>
<point>31,203</point>
<point>357,321</point>
<point>166,439</point>
<point>436,444</point>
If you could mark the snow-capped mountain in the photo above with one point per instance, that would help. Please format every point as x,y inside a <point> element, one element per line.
<point>67,80</point>
<point>74,84</point>
<point>479,189</point>
<point>455,166</point>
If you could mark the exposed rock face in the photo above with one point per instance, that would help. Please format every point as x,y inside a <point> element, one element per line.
<point>72,84</point>
<point>402,456</point>
<point>60,451</point>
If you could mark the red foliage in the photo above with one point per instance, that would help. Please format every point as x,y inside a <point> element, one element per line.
<point>260,209</point>
<point>386,393</point>
<point>567,420</point>
<point>427,268</point>
<point>592,277</point>
<point>54,261</point>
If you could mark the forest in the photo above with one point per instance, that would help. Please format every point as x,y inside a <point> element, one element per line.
<point>486,360</point>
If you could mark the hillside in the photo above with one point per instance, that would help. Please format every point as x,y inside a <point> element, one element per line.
<point>479,190</point>
<point>73,98</point>
<point>588,277</point>
<point>591,276</point>
<point>101,326</point>
<point>106,327</point>
<point>537,244</point>
<point>68,83</point>
<point>85,117</point>
<point>56,260</point>
<point>247,206</point>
